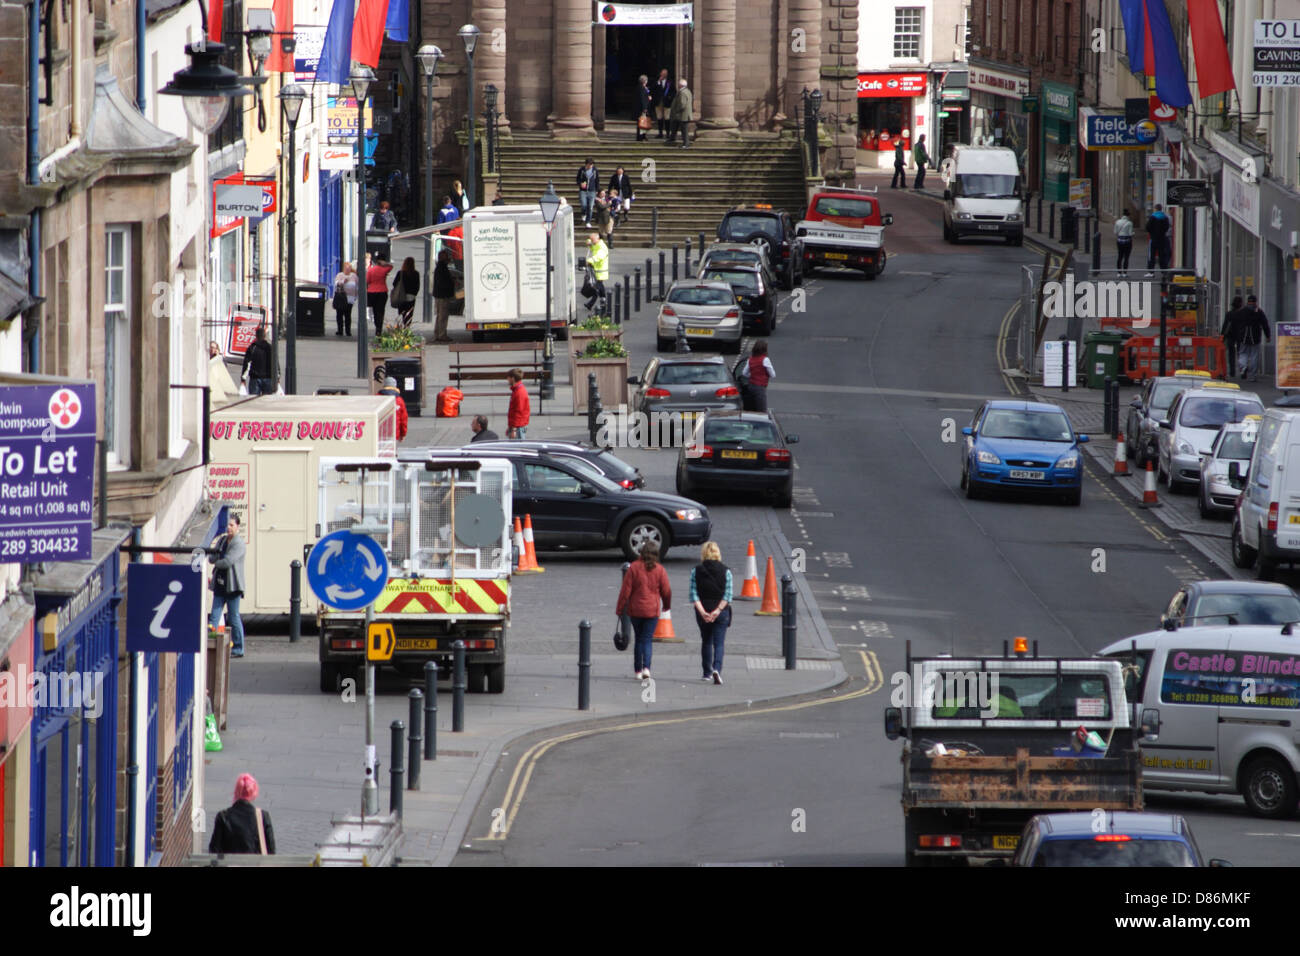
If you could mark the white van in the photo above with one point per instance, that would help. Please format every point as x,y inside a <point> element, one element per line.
<point>1266,527</point>
<point>1221,710</point>
<point>982,194</point>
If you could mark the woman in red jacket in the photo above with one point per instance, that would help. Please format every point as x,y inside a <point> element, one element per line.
<point>644,585</point>
<point>377,291</point>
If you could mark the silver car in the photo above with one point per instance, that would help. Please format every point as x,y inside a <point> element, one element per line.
<point>1149,408</point>
<point>1234,443</point>
<point>1194,420</point>
<point>708,312</point>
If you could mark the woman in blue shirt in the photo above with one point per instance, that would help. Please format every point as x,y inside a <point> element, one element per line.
<point>711,596</point>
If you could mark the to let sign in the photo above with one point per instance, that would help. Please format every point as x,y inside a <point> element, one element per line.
<point>47,456</point>
<point>1277,53</point>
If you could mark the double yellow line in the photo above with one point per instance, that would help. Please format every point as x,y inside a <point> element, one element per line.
<point>523,773</point>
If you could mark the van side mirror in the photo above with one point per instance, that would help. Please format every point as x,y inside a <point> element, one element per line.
<point>893,723</point>
<point>1150,723</point>
<point>968,431</point>
<point>587,490</point>
<point>889,219</point>
<point>1082,439</point>
<point>634,379</point>
<point>947,194</point>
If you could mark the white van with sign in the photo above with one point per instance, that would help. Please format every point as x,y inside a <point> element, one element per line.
<point>1221,711</point>
<point>1266,527</point>
<point>982,194</point>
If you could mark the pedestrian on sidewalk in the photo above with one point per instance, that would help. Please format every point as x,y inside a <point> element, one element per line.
<point>620,194</point>
<point>227,584</point>
<point>259,365</point>
<point>922,159</point>
<point>346,286</point>
<point>403,416</point>
<point>680,113</point>
<point>598,259</point>
<point>459,198</point>
<point>1254,325</point>
<point>755,374</point>
<point>406,290</point>
<point>444,290</point>
<point>449,211</point>
<point>1158,246</point>
<point>385,220</point>
<point>711,597</point>
<point>644,101</point>
<point>377,290</point>
<point>1231,332</point>
<point>602,217</point>
<point>242,827</point>
<point>663,95</point>
<point>644,585</point>
<point>479,426</point>
<point>588,180</point>
<point>900,165</point>
<point>1123,243</point>
<point>520,412</point>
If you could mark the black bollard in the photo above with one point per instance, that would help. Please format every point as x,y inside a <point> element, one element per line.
<point>1096,249</point>
<point>627,297</point>
<point>789,632</point>
<point>594,407</point>
<point>1051,222</point>
<point>675,254</point>
<point>295,600</point>
<point>654,228</point>
<point>1040,213</point>
<point>699,255</point>
<point>1074,239</point>
<point>686,265</point>
<point>1066,371</point>
<point>416,739</point>
<point>458,689</point>
<point>1114,409</point>
<point>1087,238</point>
<point>396,770</point>
<point>661,276</point>
<point>1105,403</point>
<point>430,710</point>
<point>584,665</point>
<point>618,304</point>
<point>637,299</point>
<point>683,347</point>
<point>649,281</point>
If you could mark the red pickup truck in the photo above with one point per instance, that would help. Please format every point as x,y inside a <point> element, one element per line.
<point>844,227</point>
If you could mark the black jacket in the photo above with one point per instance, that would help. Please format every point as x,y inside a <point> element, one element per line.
<point>235,830</point>
<point>486,434</point>
<point>259,360</point>
<point>664,91</point>
<point>645,97</point>
<point>1158,226</point>
<point>1254,324</point>
<point>444,284</point>
<point>620,186</point>
<point>410,281</point>
<point>1233,326</point>
<point>710,583</point>
<point>593,184</point>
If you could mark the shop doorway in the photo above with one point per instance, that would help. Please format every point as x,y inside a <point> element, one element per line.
<point>629,52</point>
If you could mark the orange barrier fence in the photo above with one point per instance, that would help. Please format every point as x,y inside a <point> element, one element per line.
<point>1140,356</point>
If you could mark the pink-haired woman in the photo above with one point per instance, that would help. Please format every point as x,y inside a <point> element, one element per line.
<point>242,827</point>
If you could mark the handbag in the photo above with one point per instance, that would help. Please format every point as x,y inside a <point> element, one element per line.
<point>643,121</point>
<point>621,636</point>
<point>340,301</point>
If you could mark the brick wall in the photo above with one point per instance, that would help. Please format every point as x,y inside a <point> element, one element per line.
<point>839,83</point>
<point>1040,35</point>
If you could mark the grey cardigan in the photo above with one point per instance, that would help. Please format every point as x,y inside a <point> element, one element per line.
<point>233,561</point>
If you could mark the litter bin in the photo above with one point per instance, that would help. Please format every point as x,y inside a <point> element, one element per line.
<point>410,381</point>
<point>218,685</point>
<point>1101,357</point>
<point>379,246</point>
<point>1069,225</point>
<point>309,311</point>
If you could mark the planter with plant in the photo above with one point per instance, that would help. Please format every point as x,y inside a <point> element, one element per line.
<point>608,359</point>
<point>593,328</point>
<point>396,343</point>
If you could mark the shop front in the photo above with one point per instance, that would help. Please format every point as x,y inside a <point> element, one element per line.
<point>890,107</point>
<point>1056,158</point>
<point>1280,229</point>
<point>997,98</point>
<point>1241,246</point>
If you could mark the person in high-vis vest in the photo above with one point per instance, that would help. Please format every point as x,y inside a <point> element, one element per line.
<point>598,259</point>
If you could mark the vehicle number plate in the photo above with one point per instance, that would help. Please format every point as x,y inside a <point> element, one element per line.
<point>836,255</point>
<point>746,455</point>
<point>1032,475</point>
<point>417,644</point>
<point>1294,519</point>
<point>983,226</point>
<point>1005,842</point>
<point>497,325</point>
<point>699,331</point>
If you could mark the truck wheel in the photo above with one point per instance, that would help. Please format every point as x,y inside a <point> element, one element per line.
<point>329,678</point>
<point>1243,556</point>
<point>638,532</point>
<point>1269,787</point>
<point>496,678</point>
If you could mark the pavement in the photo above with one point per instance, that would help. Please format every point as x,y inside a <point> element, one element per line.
<point>306,748</point>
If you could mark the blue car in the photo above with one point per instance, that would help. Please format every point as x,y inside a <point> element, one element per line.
<point>1109,838</point>
<point>1022,445</point>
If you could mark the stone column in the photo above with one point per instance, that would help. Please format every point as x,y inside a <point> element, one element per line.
<point>805,53</point>
<point>490,56</point>
<point>573,67</point>
<point>716,76</point>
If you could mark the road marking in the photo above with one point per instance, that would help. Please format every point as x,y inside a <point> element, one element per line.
<point>809,735</point>
<point>523,771</point>
<point>837,559</point>
<point>1000,354</point>
<point>778,663</point>
<point>872,629</point>
<point>873,390</point>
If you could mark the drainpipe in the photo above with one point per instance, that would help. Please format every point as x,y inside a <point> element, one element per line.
<point>74,130</point>
<point>33,166</point>
<point>140,27</point>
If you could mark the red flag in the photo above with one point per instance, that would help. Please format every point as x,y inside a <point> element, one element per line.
<point>279,61</point>
<point>1213,68</point>
<point>1148,52</point>
<point>368,30</point>
<point>214,21</point>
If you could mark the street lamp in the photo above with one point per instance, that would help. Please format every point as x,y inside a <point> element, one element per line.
<point>469,34</point>
<point>550,205</point>
<point>361,78</point>
<point>291,98</point>
<point>428,55</point>
<point>490,93</point>
<point>206,85</point>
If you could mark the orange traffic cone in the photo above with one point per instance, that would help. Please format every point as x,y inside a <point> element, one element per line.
<point>1121,456</point>
<point>519,544</point>
<point>749,591</point>
<point>771,596</point>
<point>664,629</point>
<point>1149,499</point>
<point>529,564</point>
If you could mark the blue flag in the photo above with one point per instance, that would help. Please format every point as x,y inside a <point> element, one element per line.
<point>1134,32</point>
<point>1171,77</point>
<point>399,20</point>
<point>336,55</point>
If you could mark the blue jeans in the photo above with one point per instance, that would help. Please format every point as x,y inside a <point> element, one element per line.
<point>586,197</point>
<point>712,637</point>
<point>232,617</point>
<point>261,386</point>
<point>643,629</point>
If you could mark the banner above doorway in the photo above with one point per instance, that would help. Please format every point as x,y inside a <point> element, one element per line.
<point>643,14</point>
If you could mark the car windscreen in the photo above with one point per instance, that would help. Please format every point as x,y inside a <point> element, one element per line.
<point>1164,396</point>
<point>995,695</point>
<point>720,431</point>
<point>987,186</point>
<point>692,295</point>
<point>694,373</point>
<point>741,227</point>
<point>1246,609</point>
<point>1107,849</point>
<point>1030,425</point>
<point>835,206</point>
<point>1208,412</point>
<point>738,279</point>
<point>1237,445</point>
<point>748,254</point>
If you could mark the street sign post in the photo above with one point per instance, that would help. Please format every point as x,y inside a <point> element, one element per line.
<point>165,612</point>
<point>380,642</point>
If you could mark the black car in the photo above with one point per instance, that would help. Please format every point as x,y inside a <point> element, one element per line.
<point>573,506</point>
<point>601,459</point>
<point>772,228</point>
<point>738,451</point>
<point>755,292</point>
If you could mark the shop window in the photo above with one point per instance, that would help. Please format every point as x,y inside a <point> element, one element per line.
<point>907,32</point>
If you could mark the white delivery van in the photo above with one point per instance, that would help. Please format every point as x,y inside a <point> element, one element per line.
<point>264,462</point>
<point>1266,526</point>
<point>1221,706</point>
<point>982,194</point>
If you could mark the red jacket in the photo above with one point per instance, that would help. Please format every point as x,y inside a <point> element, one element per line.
<point>642,590</point>
<point>376,278</point>
<point>402,417</point>
<point>520,408</point>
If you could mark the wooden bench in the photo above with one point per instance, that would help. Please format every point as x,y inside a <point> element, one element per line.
<point>461,371</point>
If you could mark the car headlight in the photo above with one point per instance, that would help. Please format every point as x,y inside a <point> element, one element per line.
<point>1068,461</point>
<point>963,215</point>
<point>688,514</point>
<point>1185,448</point>
<point>1013,217</point>
<point>987,458</point>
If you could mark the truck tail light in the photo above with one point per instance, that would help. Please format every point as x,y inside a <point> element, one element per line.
<point>1272,517</point>
<point>347,644</point>
<point>729,391</point>
<point>777,455</point>
<point>939,841</point>
<point>657,393</point>
<point>484,644</point>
